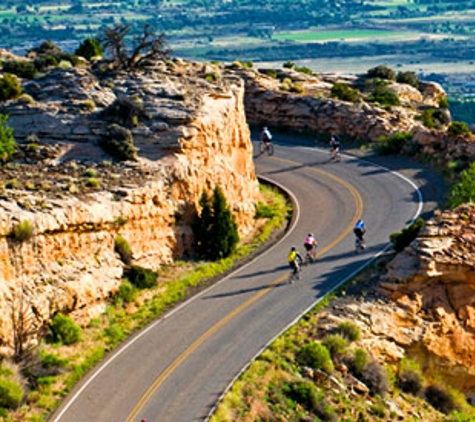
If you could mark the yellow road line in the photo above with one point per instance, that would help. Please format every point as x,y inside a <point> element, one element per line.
<point>166,373</point>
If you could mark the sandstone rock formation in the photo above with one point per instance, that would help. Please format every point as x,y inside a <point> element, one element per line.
<point>313,109</point>
<point>433,282</point>
<point>194,136</point>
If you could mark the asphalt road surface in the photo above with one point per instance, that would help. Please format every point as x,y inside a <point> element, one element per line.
<point>177,368</point>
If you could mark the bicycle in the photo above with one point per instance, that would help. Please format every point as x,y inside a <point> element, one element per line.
<point>294,274</point>
<point>359,244</point>
<point>309,256</point>
<point>266,147</point>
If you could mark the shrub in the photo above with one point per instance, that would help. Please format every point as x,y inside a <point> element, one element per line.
<point>114,335</point>
<point>43,63</point>
<point>427,119</point>
<point>23,231</point>
<point>336,344</point>
<point>22,68</point>
<point>375,376</point>
<point>443,102</point>
<point>464,191</point>
<point>458,128</point>
<point>11,393</point>
<point>409,78</point>
<point>344,92</point>
<point>65,330</point>
<point>382,72</point>
<point>440,399</point>
<point>7,141</point>
<point>10,88</point>
<point>124,111</point>
<point>304,393</point>
<point>119,143</point>
<point>92,182</point>
<point>127,292</point>
<point>316,356</point>
<point>383,95</point>
<point>122,247</point>
<point>271,72</point>
<point>410,382</point>
<point>89,48</point>
<point>142,278</point>
<point>288,65</point>
<point>264,211</point>
<point>403,238</point>
<point>358,362</point>
<point>392,144</point>
<point>349,330</point>
<point>304,69</point>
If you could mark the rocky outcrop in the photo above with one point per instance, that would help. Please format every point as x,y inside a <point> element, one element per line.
<point>433,282</point>
<point>313,110</point>
<point>194,136</point>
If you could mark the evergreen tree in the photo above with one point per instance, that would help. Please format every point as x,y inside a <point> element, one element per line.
<point>215,228</point>
<point>90,47</point>
<point>224,228</point>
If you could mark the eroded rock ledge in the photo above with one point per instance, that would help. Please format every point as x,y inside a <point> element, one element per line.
<point>194,137</point>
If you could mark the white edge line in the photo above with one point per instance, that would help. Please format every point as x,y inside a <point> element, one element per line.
<point>350,276</point>
<point>140,334</point>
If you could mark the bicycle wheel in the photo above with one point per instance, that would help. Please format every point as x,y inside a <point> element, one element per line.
<point>262,147</point>
<point>270,149</point>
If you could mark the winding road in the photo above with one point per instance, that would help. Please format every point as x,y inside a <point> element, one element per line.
<point>176,369</point>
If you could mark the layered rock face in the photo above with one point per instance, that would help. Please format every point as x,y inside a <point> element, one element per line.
<point>433,283</point>
<point>194,136</point>
<point>313,110</point>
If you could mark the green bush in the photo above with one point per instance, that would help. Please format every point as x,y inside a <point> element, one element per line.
<point>443,102</point>
<point>22,68</point>
<point>403,238</point>
<point>288,65</point>
<point>142,278</point>
<point>11,393</point>
<point>65,330</point>
<point>119,143</point>
<point>43,63</point>
<point>439,399</point>
<point>304,69</point>
<point>89,48</point>
<point>271,72</point>
<point>23,231</point>
<point>316,356</point>
<point>392,144</point>
<point>409,78</point>
<point>349,330</point>
<point>124,111</point>
<point>10,88</point>
<point>344,92</point>
<point>7,141</point>
<point>264,211</point>
<point>122,247</point>
<point>358,362</point>
<point>114,335</point>
<point>464,191</point>
<point>383,95</point>
<point>458,128</point>
<point>336,344</point>
<point>382,72</point>
<point>127,292</point>
<point>304,393</point>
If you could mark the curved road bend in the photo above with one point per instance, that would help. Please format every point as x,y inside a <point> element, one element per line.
<point>176,369</point>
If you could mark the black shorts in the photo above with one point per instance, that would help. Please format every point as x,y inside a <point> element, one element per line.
<point>308,246</point>
<point>358,233</point>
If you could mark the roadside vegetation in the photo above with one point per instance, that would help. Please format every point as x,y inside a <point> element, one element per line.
<point>32,385</point>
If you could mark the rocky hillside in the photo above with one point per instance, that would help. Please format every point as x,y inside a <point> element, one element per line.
<point>191,135</point>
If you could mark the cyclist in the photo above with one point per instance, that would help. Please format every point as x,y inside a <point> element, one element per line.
<point>311,245</point>
<point>294,261</point>
<point>265,136</point>
<point>334,147</point>
<point>359,230</point>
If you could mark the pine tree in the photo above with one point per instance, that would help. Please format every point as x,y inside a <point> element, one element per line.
<point>215,228</point>
<point>224,228</point>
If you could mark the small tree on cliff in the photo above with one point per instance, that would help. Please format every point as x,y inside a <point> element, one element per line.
<point>215,229</point>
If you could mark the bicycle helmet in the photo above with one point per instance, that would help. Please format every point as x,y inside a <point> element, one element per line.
<point>293,248</point>
<point>310,234</point>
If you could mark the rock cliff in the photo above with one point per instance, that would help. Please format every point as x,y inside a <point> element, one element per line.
<point>432,282</point>
<point>194,135</point>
